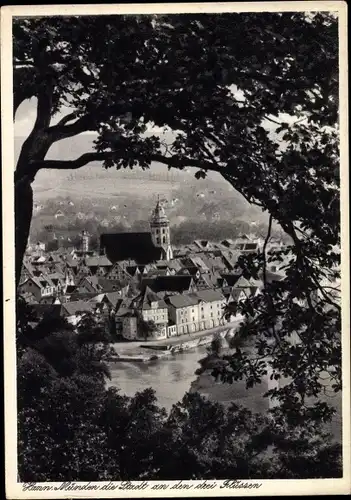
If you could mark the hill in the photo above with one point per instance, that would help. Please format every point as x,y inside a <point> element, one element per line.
<point>128,196</point>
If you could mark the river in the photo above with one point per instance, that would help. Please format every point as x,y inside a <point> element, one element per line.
<point>171,378</point>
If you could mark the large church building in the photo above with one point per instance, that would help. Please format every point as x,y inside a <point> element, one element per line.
<point>141,247</point>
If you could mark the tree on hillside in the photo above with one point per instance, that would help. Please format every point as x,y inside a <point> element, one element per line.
<point>202,439</point>
<point>235,74</point>
<point>65,410</point>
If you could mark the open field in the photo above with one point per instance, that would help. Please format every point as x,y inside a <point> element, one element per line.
<point>99,188</point>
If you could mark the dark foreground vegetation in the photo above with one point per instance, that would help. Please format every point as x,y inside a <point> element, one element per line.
<point>72,428</point>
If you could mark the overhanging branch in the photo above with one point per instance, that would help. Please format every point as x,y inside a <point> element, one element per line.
<point>171,161</point>
<point>62,131</point>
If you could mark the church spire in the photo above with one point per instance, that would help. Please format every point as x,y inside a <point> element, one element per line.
<point>160,230</point>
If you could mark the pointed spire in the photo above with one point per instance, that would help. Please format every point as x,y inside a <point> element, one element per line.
<point>159,213</point>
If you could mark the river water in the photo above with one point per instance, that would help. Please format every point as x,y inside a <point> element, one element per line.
<point>171,377</point>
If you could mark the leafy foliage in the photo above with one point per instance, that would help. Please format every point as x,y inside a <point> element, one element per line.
<point>235,74</point>
<point>70,427</point>
<point>146,327</point>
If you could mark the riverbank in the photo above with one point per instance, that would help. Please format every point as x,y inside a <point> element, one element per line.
<point>253,399</point>
<point>163,349</point>
<point>170,379</point>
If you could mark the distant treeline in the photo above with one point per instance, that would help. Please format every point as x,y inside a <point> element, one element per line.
<point>69,234</point>
<point>188,231</point>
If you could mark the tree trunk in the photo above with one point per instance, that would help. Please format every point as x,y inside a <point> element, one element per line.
<point>23,217</point>
<point>34,148</point>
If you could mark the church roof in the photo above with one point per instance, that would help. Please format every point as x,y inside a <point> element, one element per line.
<point>130,246</point>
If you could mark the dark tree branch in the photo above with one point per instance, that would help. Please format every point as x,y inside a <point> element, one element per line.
<point>271,120</point>
<point>66,119</point>
<point>44,107</point>
<point>171,161</point>
<point>264,250</point>
<point>62,131</point>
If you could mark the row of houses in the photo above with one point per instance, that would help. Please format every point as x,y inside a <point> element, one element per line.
<point>182,295</point>
<point>173,315</point>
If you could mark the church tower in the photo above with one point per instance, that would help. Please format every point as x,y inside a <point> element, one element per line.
<point>85,242</point>
<point>160,231</point>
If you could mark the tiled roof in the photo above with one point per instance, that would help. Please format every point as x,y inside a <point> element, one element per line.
<point>157,272</point>
<point>108,285</point>
<point>175,283</point>
<point>180,301</point>
<point>72,308</point>
<point>188,270</point>
<point>113,298</point>
<point>148,296</point>
<point>72,262</point>
<point>241,282</point>
<point>29,297</point>
<point>209,295</point>
<point>174,264</point>
<point>231,279</point>
<point>235,294</point>
<point>123,307</point>
<point>227,242</point>
<point>198,262</point>
<point>35,280</point>
<point>194,298</point>
<point>100,260</point>
<point>56,276</point>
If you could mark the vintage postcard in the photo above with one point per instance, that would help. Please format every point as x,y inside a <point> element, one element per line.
<point>176,238</point>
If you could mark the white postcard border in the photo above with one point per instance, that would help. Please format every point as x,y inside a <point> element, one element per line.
<point>16,490</point>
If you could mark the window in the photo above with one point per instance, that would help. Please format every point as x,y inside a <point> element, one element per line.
<point>211,306</point>
<point>202,316</point>
<point>211,315</point>
<point>163,239</point>
<point>157,240</point>
<point>192,310</point>
<point>193,318</point>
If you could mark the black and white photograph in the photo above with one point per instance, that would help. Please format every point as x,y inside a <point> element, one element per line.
<point>175,188</point>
